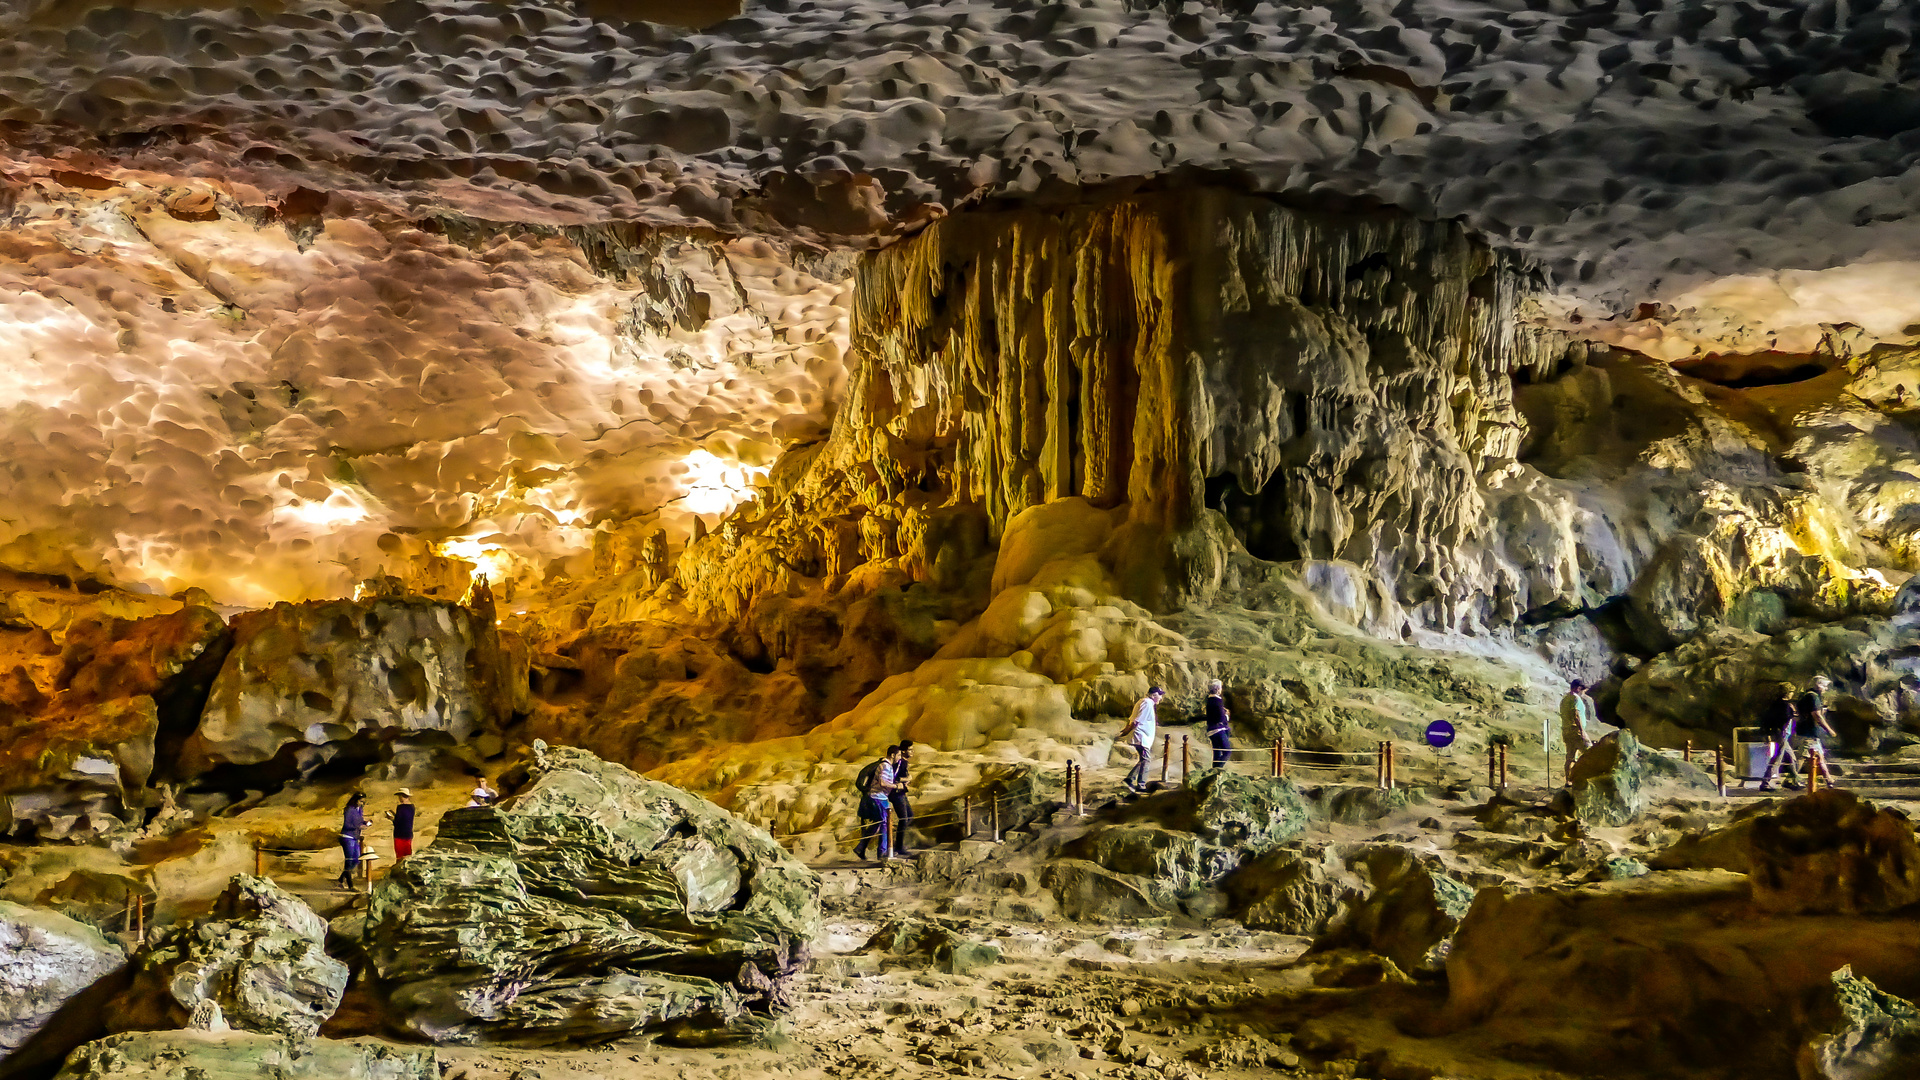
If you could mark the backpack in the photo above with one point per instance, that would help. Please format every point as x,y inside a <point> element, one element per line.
<point>864,782</point>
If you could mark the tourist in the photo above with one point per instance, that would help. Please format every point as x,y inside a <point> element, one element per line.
<point>482,794</point>
<point>902,811</point>
<point>352,825</point>
<point>1139,735</point>
<point>1578,724</point>
<point>875,783</point>
<point>1779,719</point>
<point>1810,722</point>
<point>402,818</point>
<point>1219,730</point>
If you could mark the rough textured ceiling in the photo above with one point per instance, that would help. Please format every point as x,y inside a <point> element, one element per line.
<point>263,304</point>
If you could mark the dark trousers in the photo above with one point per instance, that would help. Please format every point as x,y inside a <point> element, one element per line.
<point>350,849</point>
<point>902,817</point>
<point>873,822</point>
<point>1222,747</point>
<point>1138,777</point>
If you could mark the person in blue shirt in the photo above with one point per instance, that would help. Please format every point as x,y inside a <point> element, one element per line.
<point>353,825</point>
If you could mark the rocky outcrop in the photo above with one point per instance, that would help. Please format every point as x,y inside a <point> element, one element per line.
<point>269,973</point>
<point>322,673</point>
<point>1249,815</point>
<point>1608,784</point>
<point>1870,1035</point>
<point>1646,974</point>
<point>50,970</point>
<point>1407,911</point>
<point>595,903</point>
<point>239,1055</point>
<point>1832,851</point>
<point>82,735</point>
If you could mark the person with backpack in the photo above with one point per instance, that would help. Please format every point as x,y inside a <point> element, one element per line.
<point>1219,726</point>
<point>1139,734</point>
<point>1810,723</point>
<point>875,785</point>
<point>902,810</point>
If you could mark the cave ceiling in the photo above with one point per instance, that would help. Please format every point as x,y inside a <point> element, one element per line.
<point>289,291</point>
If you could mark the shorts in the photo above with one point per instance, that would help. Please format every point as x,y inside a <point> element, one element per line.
<point>402,847</point>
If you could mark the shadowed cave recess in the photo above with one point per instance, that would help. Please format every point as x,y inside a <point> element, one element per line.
<point>482,482</point>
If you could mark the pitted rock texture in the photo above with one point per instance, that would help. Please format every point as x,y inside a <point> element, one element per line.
<point>1832,851</point>
<point>325,672</point>
<point>269,973</point>
<point>1625,143</point>
<point>593,904</point>
<point>46,961</point>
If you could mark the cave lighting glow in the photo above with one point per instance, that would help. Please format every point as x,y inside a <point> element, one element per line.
<point>714,485</point>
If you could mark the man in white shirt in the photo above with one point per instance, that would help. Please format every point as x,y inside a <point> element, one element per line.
<point>1139,735</point>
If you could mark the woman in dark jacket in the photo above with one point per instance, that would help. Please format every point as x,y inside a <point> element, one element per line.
<point>352,825</point>
<point>1219,729</point>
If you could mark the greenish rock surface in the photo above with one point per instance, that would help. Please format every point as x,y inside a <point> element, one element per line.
<point>594,904</point>
<point>1868,1034</point>
<point>1247,814</point>
<point>239,1055</point>
<point>925,943</point>
<point>1608,784</point>
<point>1089,892</point>
<point>268,974</point>
<point>47,963</point>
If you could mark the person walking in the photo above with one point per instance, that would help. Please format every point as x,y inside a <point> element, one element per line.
<point>1810,724</point>
<point>402,818</point>
<point>1139,734</point>
<point>1780,720</point>
<point>353,825</point>
<point>897,798</point>
<point>876,783</point>
<point>1219,726</point>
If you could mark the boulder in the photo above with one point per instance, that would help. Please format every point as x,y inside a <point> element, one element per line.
<point>1247,814</point>
<point>324,672</point>
<point>1407,914</point>
<point>1294,892</point>
<point>594,904</point>
<point>1867,1035</point>
<point>1176,862</point>
<point>922,943</point>
<point>1608,784</point>
<point>1652,975</point>
<point>1089,892</point>
<point>268,974</point>
<point>52,969</point>
<point>240,1055</point>
<point>1832,851</point>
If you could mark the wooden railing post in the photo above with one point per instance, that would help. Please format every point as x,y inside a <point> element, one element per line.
<point>1186,758</point>
<point>1166,756</point>
<point>1720,771</point>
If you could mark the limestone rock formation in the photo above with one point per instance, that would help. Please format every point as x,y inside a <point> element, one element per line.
<point>592,904</point>
<point>1833,851</point>
<point>81,720</point>
<point>1407,911</point>
<point>239,1055</point>
<point>1650,972</point>
<point>1250,815</point>
<point>50,966</point>
<point>1872,1036</point>
<point>321,673</point>
<point>1608,783</point>
<point>269,973</point>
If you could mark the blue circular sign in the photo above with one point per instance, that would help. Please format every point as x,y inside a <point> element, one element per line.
<point>1439,733</point>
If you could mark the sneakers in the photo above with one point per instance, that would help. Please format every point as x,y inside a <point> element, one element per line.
<point>860,853</point>
<point>1792,785</point>
<point>1764,786</point>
